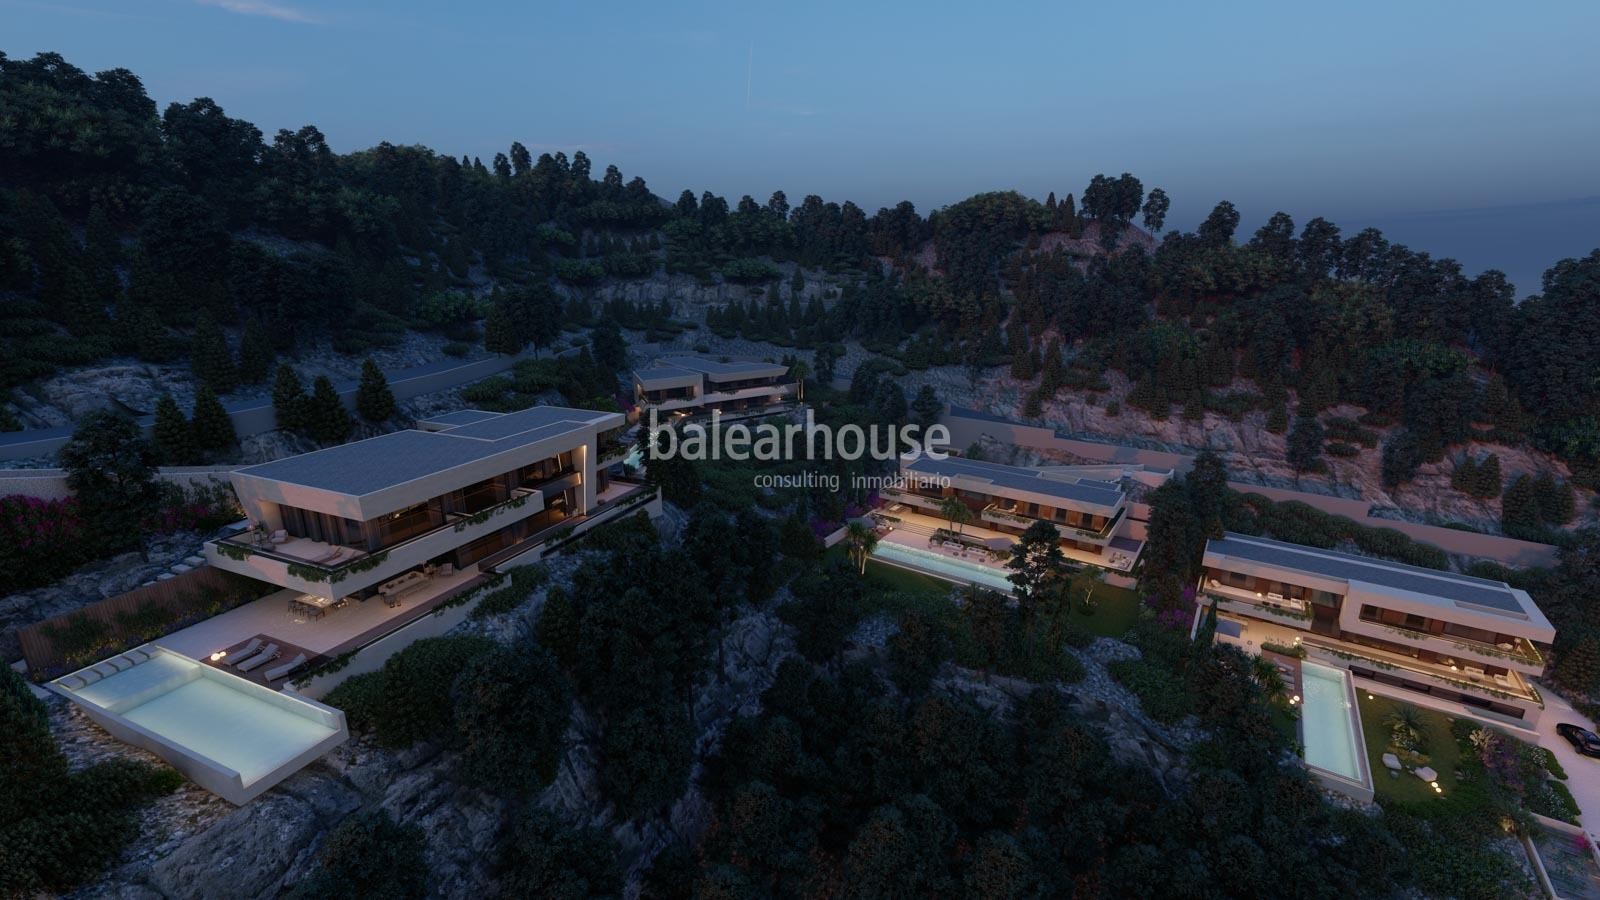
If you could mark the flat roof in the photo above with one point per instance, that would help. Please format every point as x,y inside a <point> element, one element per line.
<point>709,366</point>
<point>459,417</point>
<point>1079,490</point>
<point>1494,596</point>
<point>388,460</point>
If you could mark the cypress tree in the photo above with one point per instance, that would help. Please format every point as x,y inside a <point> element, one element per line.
<point>255,354</point>
<point>289,400</point>
<point>173,439</point>
<point>210,358</point>
<point>213,429</point>
<point>499,332</point>
<point>326,418</point>
<point>374,400</point>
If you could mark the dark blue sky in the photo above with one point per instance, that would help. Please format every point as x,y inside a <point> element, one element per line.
<point>1393,114</point>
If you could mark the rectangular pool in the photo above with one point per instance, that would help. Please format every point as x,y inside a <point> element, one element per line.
<point>231,736</point>
<point>1330,730</point>
<point>941,566</point>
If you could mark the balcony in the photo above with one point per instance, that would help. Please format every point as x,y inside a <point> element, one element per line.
<point>1515,652</point>
<point>1510,686</point>
<point>347,576</point>
<point>1008,515</point>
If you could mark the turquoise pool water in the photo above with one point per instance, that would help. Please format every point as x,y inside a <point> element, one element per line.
<point>941,566</point>
<point>1327,726</point>
<point>215,716</point>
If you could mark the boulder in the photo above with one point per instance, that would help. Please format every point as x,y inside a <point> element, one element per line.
<point>1391,761</point>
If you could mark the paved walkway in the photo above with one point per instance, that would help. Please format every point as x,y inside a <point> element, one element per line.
<point>1583,773</point>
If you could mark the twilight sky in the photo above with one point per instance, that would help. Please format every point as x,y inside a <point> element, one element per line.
<point>1465,128</point>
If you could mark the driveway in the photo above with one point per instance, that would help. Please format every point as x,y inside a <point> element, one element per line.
<point>1583,773</point>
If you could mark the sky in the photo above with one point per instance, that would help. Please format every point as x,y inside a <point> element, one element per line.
<point>1467,129</point>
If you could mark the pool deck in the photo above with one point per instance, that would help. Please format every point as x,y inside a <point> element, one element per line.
<point>339,630</point>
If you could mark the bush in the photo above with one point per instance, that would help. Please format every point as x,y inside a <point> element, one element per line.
<point>408,700</point>
<point>1162,696</point>
<point>750,271</point>
<point>40,541</point>
<point>541,857</point>
<point>645,757</point>
<point>59,828</point>
<point>368,855</point>
<point>512,706</point>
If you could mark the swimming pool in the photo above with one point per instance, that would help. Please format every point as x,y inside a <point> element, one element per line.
<point>940,566</point>
<point>231,736</point>
<point>1330,729</point>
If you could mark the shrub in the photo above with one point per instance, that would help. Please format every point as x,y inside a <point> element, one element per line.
<point>368,855</point>
<point>512,706</point>
<point>541,857</point>
<point>40,541</point>
<point>408,700</point>
<point>60,827</point>
<point>645,757</point>
<point>1160,694</point>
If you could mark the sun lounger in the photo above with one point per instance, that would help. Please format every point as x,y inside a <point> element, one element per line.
<point>276,672</point>
<point>267,654</point>
<point>244,652</point>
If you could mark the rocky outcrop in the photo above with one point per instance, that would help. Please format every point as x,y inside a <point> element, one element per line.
<point>691,297</point>
<point>262,847</point>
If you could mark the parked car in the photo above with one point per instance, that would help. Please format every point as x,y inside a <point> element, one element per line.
<point>1582,740</point>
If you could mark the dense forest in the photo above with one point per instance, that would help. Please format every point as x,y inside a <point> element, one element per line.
<point>128,230</point>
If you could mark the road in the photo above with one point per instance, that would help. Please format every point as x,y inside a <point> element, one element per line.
<point>1583,773</point>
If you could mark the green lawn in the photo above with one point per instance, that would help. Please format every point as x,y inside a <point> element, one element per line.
<point>1442,748</point>
<point>1116,609</point>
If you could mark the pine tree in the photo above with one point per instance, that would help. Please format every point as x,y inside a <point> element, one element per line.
<point>213,429</point>
<point>1578,664</point>
<point>210,358</point>
<point>173,438</point>
<point>374,400</point>
<point>326,418</point>
<point>255,354</point>
<point>926,407</point>
<point>500,332</point>
<point>1304,447</point>
<point>289,400</point>
<point>1488,478</point>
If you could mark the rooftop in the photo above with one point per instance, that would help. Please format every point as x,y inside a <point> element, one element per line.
<point>366,467</point>
<point>1456,590</point>
<point>1065,487</point>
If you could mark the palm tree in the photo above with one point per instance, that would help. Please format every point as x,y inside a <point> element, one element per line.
<point>955,512</point>
<point>860,541</point>
<point>798,372</point>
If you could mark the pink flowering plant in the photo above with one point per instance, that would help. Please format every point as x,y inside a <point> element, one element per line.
<point>40,540</point>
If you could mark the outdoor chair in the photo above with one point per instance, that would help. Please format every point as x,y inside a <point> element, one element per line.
<point>267,654</point>
<point>273,674</point>
<point>244,652</point>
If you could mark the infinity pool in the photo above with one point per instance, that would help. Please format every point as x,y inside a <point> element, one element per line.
<point>941,566</point>
<point>1329,724</point>
<point>231,736</point>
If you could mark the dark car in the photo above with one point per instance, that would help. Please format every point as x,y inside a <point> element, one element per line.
<point>1582,739</point>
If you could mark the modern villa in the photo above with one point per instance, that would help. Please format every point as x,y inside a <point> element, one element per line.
<point>1099,523</point>
<point>1087,504</point>
<point>381,516</point>
<point>695,384</point>
<point>375,544</point>
<point>1465,645</point>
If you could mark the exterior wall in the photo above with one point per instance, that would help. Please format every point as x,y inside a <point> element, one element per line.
<point>401,557</point>
<point>51,484</point>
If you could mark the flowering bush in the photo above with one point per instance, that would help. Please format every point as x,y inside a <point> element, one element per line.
<point>40,540</point>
